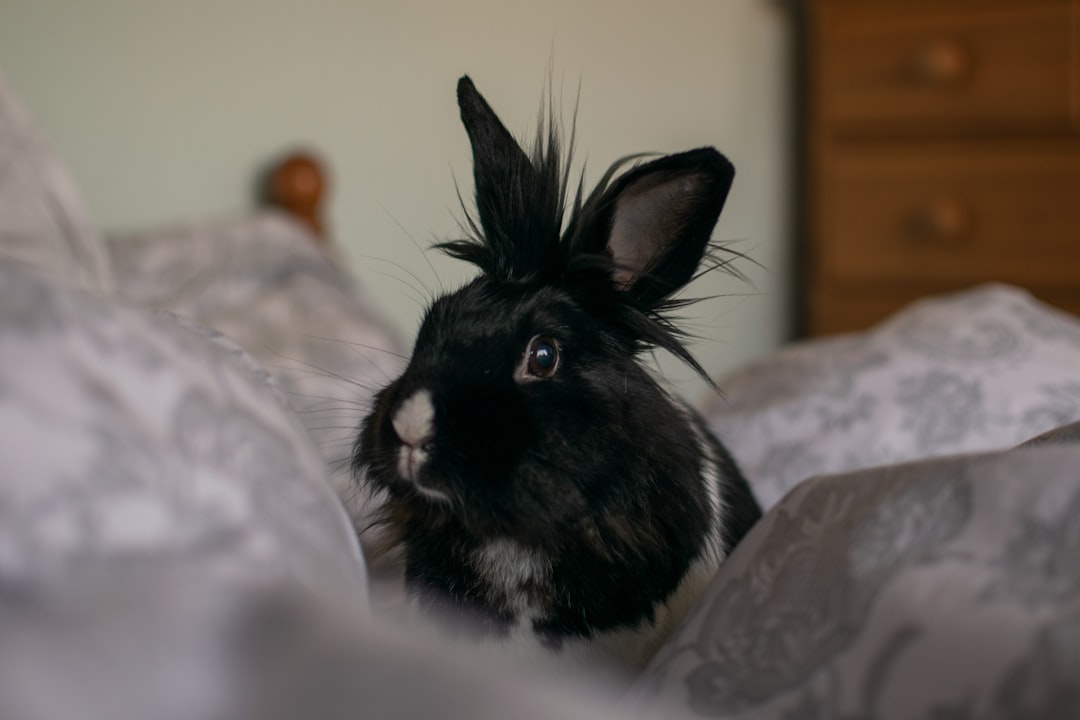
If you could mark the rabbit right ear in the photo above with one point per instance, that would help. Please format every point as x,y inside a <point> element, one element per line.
<point>655,222</point>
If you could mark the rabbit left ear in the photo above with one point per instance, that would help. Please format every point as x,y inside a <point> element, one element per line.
<point>500,166</point>
<point>659,217</point>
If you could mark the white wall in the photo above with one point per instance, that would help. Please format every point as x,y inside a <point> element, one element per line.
<point>165,109</point>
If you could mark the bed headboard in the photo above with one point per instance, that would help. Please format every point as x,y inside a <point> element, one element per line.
<point>297,185</point>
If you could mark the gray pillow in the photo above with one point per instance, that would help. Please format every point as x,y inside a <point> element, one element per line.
<point>155,494</point>
<point>946,588</point>
<point>978,370</point>
<point>262,281</point>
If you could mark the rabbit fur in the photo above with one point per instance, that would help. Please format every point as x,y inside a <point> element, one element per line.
<point>543,486</point>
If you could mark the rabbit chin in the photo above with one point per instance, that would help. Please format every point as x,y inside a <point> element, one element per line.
<point>409,468</point>
<point>431,493</point>
<point>409,472</point>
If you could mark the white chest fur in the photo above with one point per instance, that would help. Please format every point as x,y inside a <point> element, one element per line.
<point>513,574</point>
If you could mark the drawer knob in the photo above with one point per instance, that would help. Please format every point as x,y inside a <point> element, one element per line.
<point>947,220</point>
<point>942,62</point>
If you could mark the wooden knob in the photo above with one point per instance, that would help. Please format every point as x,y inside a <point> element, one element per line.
<point>945,220</point>
<point>941,62</point>
<point>297,185</point>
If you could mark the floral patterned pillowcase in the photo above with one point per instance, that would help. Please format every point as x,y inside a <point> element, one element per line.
<point>154,490</point>
<point>146,431</point>
<point>983,369</point>
<point>262,281</point>
<point>945,588</point>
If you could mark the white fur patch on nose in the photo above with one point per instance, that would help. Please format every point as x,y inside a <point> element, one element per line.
<point>413,424</point>
<point>412,421</point>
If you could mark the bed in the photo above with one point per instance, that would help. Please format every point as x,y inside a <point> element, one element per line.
<point>178,531</point>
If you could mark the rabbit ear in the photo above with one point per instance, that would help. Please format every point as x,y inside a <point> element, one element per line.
<point>660,217</point>
<point>500,167</point>
<point>493,145</point>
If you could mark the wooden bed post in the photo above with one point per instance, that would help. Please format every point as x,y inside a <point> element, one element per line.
<point>296,185</point>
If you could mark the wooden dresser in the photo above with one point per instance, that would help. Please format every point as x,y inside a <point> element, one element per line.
<point>942,150</point>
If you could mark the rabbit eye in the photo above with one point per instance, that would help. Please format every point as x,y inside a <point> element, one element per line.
<point>543,357</point>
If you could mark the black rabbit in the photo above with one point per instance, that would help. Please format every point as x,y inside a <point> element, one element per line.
<point>537,477</point>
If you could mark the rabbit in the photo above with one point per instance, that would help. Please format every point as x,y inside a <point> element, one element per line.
<point>536,476</point>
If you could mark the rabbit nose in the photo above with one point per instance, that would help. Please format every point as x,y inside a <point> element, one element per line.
<point>413,420</point>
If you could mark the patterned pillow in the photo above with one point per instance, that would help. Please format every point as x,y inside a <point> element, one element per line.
<point>978,370</point>
<point>262,281</point>
<point>43,224</point>
<point>127,434</point>
<point>155,495</point>
<point>944,588</point>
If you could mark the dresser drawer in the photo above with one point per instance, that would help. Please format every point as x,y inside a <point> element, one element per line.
<point>945,65</point>
<point>951,212</point>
